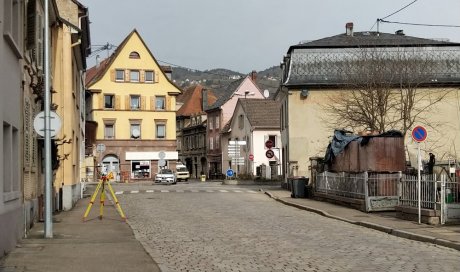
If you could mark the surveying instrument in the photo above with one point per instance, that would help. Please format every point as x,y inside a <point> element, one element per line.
<point>104,183</point>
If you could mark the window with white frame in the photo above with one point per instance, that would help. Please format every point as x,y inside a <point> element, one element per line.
<point>149,76</point>
<point>119,75</point>
<point>160,103</point>
<point>135,102</point>
<point>160,130</point>
<point>135,130</point>
<point>134,75</point>
<point>210,124</point>
<point>109,130</point>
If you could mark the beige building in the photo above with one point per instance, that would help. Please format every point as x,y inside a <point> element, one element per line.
<point>131,109</point>
<point>71,43</point>
<point>318,73</point>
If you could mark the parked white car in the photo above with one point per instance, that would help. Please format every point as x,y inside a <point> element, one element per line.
<point>165,176</point>
<point>182,173</point>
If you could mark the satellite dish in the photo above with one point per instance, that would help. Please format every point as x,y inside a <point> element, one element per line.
<point>266,93</point>
<point>136,133</point>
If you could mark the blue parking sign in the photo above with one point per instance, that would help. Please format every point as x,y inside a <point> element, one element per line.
<point>230,173</point>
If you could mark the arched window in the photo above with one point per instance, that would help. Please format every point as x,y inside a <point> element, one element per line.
<point>134,55</point>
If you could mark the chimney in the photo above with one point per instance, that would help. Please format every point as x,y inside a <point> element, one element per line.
<point>204,99</point>
<point>349,28</point>
<point>254,75</point>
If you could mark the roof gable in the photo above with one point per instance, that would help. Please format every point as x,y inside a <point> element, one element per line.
<point>133,42</point>
<point>192,99</point>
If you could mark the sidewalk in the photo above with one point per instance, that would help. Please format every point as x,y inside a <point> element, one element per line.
<point>95,245</point>
<point>445,235</point>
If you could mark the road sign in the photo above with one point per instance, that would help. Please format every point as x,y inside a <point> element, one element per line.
<point>251,157</point>
<point>269,144</point>
<point>100,148</point>
<point>161,154</point>
<point>161,162</point>
<point>419,134</point>
<point>237,142</point>
<point>269,154</point>
<point>230,173</point>
<point>55,123</point>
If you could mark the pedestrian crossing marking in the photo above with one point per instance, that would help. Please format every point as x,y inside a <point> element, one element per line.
<point>184,191</point>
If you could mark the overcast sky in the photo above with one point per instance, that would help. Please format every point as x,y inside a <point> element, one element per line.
<point>245,35</point>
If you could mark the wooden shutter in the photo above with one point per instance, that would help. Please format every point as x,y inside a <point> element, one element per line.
<point>112,75</point>
<point>117,102</point>
<point>157,77</point>
<point>168,103</point>
<point>127,75</point>
<point>101,101</point>
<point>127,102</point>
<point>142,75</point>
<point>143,102</point>
<point>152,103</point>
<point>31,24</point>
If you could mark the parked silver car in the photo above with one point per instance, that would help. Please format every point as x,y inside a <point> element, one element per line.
<point>165,176</point>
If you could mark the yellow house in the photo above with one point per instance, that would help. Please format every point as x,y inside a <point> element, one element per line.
<point>70,43</point>
<point>318,74</point>
<point>132,109</point>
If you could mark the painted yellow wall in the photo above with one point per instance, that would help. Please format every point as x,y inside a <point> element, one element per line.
<point>122,91</point>
<point>66,96</point>
<point>309,133</point>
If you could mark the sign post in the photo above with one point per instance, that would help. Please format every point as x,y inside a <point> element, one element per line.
<point>419,135</point>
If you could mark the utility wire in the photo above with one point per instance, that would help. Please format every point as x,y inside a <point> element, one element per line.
<point>399,9</point>
<point>416,24</point>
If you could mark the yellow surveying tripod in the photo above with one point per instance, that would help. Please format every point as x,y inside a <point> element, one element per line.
<point>101,185</point>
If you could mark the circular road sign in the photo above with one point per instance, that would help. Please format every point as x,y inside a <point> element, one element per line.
<point>100,148</point>
<point>419,134</point>
<point>268,144</point>
<point>270,154</point>
<point>39,123</point>
<point>161,162</point>
<point>230,173</point>
<point>251,157</point>
<point>161,154</point>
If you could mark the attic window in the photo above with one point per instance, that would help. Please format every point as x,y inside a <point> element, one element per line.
<point>134,55</point>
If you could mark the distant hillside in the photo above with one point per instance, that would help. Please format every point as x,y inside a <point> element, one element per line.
<point>216,78</point>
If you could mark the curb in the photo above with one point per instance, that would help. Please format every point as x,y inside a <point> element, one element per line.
<point>388,230</point>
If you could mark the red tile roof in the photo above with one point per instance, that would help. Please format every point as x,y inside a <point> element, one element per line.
<point>192,99</point>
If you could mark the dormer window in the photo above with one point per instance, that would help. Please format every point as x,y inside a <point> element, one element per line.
<point>134,55</point>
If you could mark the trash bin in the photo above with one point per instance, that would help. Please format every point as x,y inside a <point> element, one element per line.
<point>298,187</point>
<point>449,196</point>
<point>203,178</point>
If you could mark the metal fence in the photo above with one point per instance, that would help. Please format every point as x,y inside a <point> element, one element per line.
<point>341,184</point>
<point>430,189</point>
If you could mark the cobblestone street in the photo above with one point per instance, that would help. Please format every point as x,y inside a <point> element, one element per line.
<point>191,229</point>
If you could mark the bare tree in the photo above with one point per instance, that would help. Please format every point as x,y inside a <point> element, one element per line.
<point>384,89</point>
